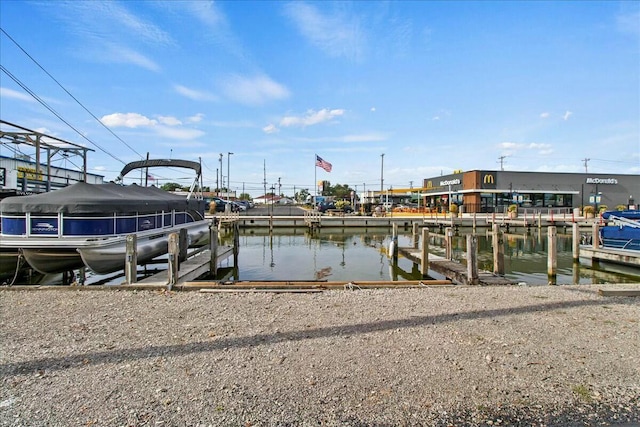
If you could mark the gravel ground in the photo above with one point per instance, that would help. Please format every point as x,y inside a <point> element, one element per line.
<point>436,356</point>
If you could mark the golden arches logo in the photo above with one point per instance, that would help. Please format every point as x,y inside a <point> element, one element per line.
<point>429,184</point>
<point>489,179</point>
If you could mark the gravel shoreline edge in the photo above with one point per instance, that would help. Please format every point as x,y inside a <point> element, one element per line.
<point>539,355</point>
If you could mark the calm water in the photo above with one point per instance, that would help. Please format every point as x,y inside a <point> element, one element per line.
<point>361,254</point>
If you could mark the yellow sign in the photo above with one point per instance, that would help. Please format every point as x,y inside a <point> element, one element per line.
<point>29,173</point>
<point>489,179</point>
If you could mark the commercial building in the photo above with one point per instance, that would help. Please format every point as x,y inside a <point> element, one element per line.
<point>487,191</point>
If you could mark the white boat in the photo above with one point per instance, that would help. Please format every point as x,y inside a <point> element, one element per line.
<point>86,225</point>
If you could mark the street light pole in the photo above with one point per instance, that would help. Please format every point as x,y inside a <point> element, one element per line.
<point>221,183</point>
<point>228,173</point>
<point>381,174</point>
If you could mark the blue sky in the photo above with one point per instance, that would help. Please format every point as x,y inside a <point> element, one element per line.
<point>434,86</point>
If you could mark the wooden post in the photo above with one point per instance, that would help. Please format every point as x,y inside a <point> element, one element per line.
<point>424,264</point>
<point>552,259</point>
<point>474,222</point>
<point>595,237</point>
<point>472,259</point>
<point>236,243</point>
<point>575,244</point>
<point>131,259</point>
<point>415,235</point>
<point>174,262</point>
<point>540,219</point>
<point>448,243</point>
<point>498,250</point>
<point>213,244</point>
<point>183,244</point>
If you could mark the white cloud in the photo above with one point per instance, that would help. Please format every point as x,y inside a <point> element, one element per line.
<point>311,118</point>
<point>373,109</point>
<point>108,21</point>
<point>509,145</point>
<point>169,121</point>
<point>253,91</point>
<point>164,126</point>
<point>130,120</point>
<point>197,118</point>
<point>194,94</point>
<point>10,93</point>
<point>125,55</point>
<point>544,115</point>
<point>178,133</point>
<point>566,116</point>
<point>270,128</point>
<point>337,35</point>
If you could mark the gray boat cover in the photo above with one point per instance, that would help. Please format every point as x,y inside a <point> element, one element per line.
<point>101,199</point>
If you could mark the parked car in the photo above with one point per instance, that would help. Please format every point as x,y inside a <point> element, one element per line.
<point>237,206</point>
<point>325,206</point>
<point>245,203</point>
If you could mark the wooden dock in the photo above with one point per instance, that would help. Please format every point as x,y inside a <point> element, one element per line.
<point>454,271</point>
<point>188,270</point>
<point>621,257</point>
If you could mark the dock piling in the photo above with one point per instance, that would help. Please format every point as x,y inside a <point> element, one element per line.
<point>552,258</point>
<point>174,259</point>
<point>448,243</point>
<point>424,261</point>
<point>213,242</point>
<point>497,241</point>
<point>575,242</point>
<point>472,259</point>
<point>131,259</point>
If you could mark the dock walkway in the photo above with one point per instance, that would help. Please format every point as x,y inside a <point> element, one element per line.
<point>454,271</point>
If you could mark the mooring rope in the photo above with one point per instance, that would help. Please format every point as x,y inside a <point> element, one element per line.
<point>18,265</point>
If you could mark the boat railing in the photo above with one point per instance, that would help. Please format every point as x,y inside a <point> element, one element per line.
<point>61,225</point>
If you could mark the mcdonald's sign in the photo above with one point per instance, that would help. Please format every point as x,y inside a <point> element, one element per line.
<point>488,180</point>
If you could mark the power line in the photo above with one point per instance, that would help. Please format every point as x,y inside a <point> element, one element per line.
<point>54,112</point>
<point>69,93</point>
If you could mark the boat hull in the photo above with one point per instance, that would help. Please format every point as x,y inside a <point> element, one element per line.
<point>110,255</point>
<point>53,260</point>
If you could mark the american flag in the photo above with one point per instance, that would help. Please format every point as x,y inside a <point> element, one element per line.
<point>323,163</point>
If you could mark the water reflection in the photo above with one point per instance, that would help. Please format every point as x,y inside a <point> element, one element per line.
<point>361,254</point>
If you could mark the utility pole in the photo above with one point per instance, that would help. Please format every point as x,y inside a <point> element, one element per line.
<point>221,183</point>
<point>264,180</point>
<point>228,173</point>
<point>381,173</point>
<point>585,165</point>
<point>501,158</point>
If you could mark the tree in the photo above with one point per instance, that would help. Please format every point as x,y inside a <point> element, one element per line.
<point>301,195</point>
<point>245,196</point>
<point>171,186</point>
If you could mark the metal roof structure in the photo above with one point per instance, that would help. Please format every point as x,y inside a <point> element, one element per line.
<point>14,134</point>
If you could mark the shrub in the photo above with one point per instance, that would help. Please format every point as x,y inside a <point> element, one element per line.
<point>602,208</point>
<point>453,208</point>
<point>513,208</point>
<point>621,208</point>
<point>588,210</point>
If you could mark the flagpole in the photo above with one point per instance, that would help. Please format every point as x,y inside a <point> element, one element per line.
<point>315,177</point>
